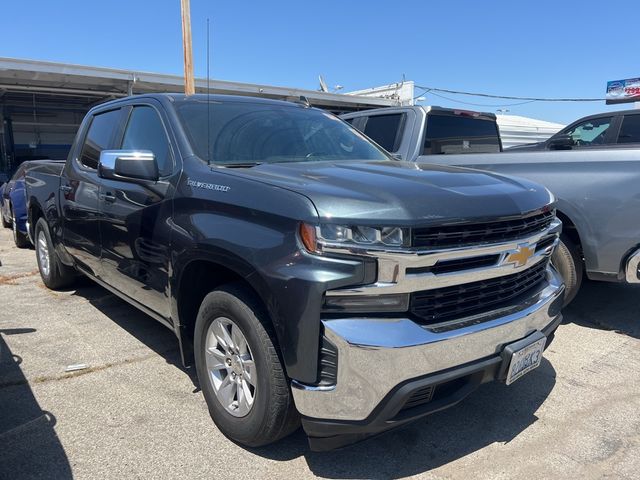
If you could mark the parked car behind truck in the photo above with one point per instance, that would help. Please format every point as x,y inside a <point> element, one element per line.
<point>611,130</point>
<point>13,203</point>
<point>308,275</point>
<point>596,185</point>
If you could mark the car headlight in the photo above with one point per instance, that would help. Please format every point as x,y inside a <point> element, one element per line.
<point>314,237</point>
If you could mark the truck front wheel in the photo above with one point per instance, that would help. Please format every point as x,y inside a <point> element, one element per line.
<point>240,372</point>
<point>54,273</point>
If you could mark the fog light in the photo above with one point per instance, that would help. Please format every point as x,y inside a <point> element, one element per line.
<point>367,303</point>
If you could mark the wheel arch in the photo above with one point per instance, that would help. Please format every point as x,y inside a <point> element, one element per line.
<point>570,229</point>
<point>200,274</point>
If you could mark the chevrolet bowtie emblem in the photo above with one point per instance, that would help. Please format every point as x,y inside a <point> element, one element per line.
<point>520,256</point>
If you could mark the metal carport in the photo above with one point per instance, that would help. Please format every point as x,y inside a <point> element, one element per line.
<point>42,103</point>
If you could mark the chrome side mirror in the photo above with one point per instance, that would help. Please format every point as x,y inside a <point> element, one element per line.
<point>128,165</point>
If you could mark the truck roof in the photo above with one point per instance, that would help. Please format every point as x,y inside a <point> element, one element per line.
<point>201,97</point>
<point>426,108</point>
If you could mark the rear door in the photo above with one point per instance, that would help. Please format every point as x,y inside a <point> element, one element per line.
<point>79,190</point>
<point>135,215</point>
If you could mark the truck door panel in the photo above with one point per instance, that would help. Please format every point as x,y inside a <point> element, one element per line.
<point>79,192</point>
<point>134,219</point>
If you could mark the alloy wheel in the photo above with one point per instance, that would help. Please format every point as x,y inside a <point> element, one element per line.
<point>43,253</point>
<point>230,366</point>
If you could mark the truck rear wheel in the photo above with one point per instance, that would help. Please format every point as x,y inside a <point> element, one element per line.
<point>19,238</point>
<point>240,373</point>
<point>568,262</point>
<point>54,273</point>
<point>5,223</point>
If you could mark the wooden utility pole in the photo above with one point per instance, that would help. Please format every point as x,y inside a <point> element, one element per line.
<point>189,87</point>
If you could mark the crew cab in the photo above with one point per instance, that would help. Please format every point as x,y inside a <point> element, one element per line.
<point>595,183</point>
<point>308,276</point>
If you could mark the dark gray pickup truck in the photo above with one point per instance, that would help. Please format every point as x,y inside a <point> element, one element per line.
<point>306,274</point>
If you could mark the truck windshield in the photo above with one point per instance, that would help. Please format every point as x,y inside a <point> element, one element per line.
<point>460,134</point>
<point>248,133</point>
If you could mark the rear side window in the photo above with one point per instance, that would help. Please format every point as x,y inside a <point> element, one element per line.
<point>98,137</point>
<point>460,134</point>
<point>630,130</point>
<point>384,130</point>
<point>146,132</point>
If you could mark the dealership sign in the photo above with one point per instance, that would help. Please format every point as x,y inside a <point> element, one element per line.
<point>623,91</point>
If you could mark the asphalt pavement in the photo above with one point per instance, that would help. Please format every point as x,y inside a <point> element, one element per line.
<point>131,411</point>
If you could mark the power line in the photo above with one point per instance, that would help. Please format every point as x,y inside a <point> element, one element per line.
<point>475,104</point>
<point>507,97</point>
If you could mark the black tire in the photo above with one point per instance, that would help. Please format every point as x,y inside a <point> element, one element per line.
<point>59,275</point>
<point>567,260</point>
<point>273,415</point>
<point>20,239</point>
<point>5,223</point>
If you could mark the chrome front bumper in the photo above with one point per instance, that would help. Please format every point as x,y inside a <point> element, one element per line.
<point>377,354</point>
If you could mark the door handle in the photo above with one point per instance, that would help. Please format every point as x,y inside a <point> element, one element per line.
<point>108,197</point>
<point>66,189</point>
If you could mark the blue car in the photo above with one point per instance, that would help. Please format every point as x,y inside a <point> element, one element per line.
<point>13,203</point>
<point>13,206</point>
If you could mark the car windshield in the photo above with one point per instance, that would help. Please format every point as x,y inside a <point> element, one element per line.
<point>248,133</point>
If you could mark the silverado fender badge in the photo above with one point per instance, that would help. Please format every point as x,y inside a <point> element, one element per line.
<point>521,256</point>
<point>208,186</point>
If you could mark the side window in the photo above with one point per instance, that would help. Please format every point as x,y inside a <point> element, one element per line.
<point>145,132</point>
<point>384,129</point>
<point>98,137</point>
<point>630,130</point>
<point>591,132</point>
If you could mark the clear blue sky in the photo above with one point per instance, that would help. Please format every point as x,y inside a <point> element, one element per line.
<point>542,48</point>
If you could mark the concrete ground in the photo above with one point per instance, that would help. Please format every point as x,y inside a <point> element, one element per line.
<point>135,413</point>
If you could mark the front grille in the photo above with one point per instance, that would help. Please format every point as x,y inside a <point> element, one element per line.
<point>464,235</point>
<point>459,301</point>
<point>456,265</point>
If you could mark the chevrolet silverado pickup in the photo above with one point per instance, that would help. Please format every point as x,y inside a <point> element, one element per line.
<point>594,177</point>
<point>310,277</point>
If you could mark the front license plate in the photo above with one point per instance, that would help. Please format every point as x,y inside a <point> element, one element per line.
<point>525,360</point>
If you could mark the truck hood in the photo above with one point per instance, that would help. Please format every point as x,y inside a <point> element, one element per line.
<point>402,193</point>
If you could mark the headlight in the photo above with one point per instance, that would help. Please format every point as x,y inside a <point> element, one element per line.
<point>315,237</point>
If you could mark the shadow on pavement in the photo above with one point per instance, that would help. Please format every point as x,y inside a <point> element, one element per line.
<point>494,413</point>
<point>29,446</point>
<point>606,306</point>
<point>138,324</point>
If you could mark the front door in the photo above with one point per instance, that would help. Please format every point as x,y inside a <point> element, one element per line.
<point>135,217</point>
